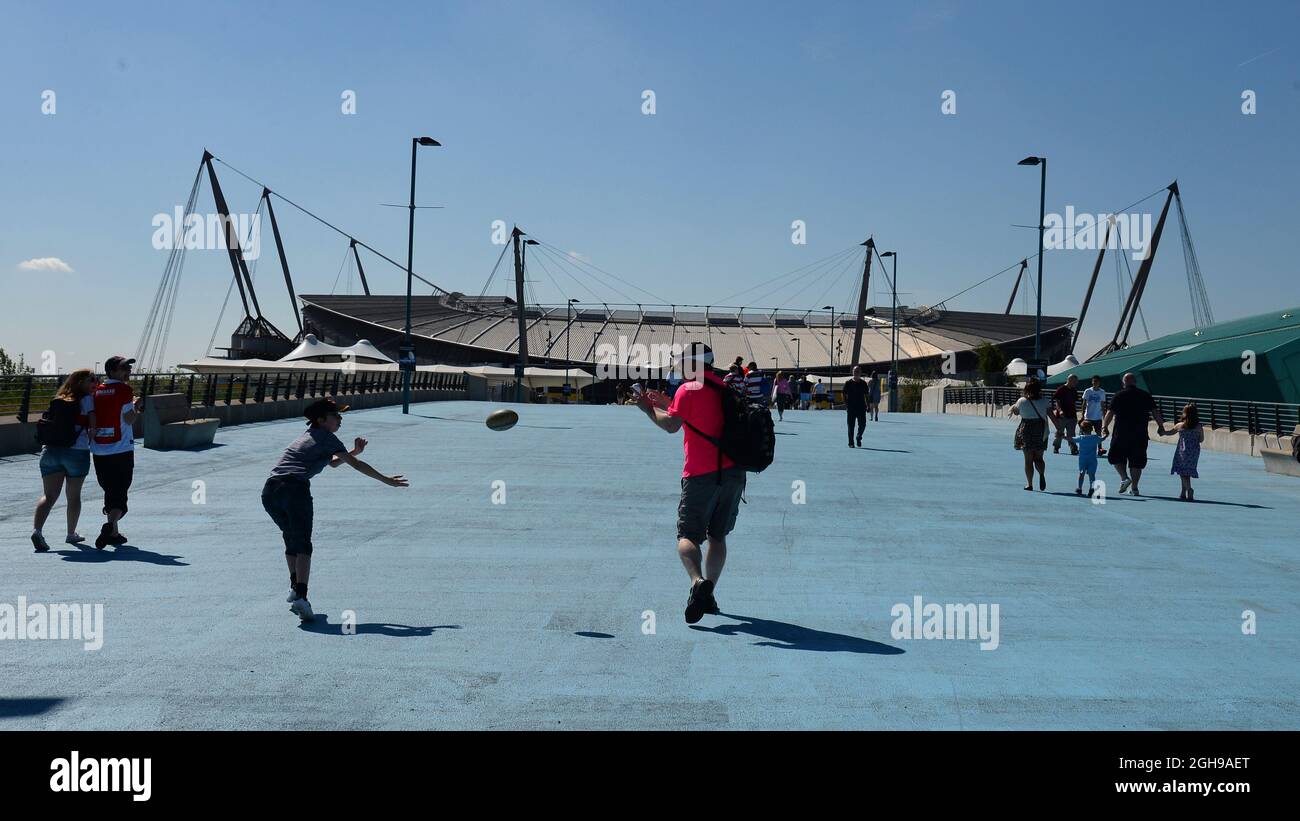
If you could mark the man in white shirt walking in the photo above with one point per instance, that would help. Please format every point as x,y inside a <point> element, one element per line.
<point>1093,400</point>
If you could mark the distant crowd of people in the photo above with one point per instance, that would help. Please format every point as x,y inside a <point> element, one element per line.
<point>784,391</point>
<point>1125,416</point>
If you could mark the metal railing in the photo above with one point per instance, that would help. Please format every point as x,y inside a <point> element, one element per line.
<point>1257,418</point>
<point>26,396</point>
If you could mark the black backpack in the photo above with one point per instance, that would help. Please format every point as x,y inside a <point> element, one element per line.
<point>57,427</point>
<point>748,435</point>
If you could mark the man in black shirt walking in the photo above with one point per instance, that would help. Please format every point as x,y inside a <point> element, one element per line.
<point>1129,411</point>
<point>855,403</point>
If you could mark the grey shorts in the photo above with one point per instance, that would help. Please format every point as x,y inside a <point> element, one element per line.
<point>708,508</point>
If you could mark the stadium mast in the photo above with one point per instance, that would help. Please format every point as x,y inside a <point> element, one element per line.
<point>522,362</point>
<point>862,301</point>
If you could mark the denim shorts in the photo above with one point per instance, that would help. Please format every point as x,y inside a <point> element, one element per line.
<point>71,461</point>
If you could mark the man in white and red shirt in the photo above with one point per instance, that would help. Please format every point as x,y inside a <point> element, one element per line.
<point>712,484</point>
<point>112,444</point>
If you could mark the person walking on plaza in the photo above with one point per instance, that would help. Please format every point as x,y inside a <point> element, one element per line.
<point>819,393</point>
<point>756,390</point>
<point>64,432</point>
<point>112,445</point>
<point>1130,409</point>
<point>874,396</point>
<point>712,483</point>
<point>782,394</point>
<point>1089,443</point>
<point>1188,452</point>
<point>856,393</point>
<point>1031,434</point>
<point>286,496</point>
<point>735,378</point>
<point>1065,415</point>
<point>1094,399</point>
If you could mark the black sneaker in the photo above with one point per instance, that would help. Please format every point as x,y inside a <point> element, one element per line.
<point>105,537</point>
<point>859,443</point>
<point>119,539</point>
<point>698,602</point>
<point>38,542</point>
<point>711,606</point>
<point>850,443</point>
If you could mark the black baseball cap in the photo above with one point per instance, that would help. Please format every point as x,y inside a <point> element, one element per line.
<point>115,362</point>
<point>322,407</point>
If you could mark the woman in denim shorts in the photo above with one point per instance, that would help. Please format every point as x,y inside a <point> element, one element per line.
<point>67,465</point>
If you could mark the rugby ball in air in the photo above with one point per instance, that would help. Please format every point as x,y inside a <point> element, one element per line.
<point>503,419</point>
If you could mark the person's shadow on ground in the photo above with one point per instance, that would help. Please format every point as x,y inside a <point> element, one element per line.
<point>321,625</point>
<point>121,553</point>
<point>794,637</point>
<point>1208,502</point>
<point>1127,497</point>
<point>22,707</point>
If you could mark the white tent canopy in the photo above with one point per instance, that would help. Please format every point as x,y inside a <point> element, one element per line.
<point>312,349</point>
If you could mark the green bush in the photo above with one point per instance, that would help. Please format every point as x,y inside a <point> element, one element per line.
<point>992,363</point>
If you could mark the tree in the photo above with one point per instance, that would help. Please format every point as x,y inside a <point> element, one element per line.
<point>992,362</point>
<point>8,367</point>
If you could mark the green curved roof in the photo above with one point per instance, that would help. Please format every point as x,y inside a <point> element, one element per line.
<point>1211,362</point>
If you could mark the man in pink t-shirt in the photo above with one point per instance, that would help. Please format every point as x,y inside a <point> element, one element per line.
<point>712,484</point>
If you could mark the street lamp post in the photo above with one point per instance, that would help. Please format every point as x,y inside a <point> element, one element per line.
<point>797,358</point>
<point>568,331</point>
<point>1042,217</point>
<point>831,308</point>
<point>893,337</point>
<point>408,349</point>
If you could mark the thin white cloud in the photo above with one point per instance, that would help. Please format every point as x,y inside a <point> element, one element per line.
<point>579,257</point>
<point>45,264</point>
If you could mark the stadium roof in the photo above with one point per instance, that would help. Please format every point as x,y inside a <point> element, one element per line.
<point>760,335</point>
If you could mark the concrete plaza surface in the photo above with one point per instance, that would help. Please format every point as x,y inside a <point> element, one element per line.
<point>533,613</point>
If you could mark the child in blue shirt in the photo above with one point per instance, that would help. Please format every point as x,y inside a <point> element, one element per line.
<point>1089,443</point>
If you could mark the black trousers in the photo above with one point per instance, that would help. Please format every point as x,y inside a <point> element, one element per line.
<point>858,415</point>
<point>114,473</point>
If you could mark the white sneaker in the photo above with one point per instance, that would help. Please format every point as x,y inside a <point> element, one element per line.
<point>293,594</point>
<point>302,608</point>
<point>1123,486</point>
<point>75,538</point>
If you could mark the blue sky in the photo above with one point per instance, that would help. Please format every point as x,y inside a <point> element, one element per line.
<point>765,113</point>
